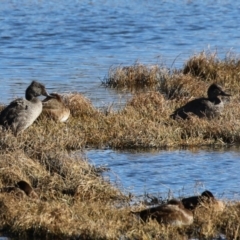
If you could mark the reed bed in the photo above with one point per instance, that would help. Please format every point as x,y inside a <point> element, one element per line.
<point>74,201</point>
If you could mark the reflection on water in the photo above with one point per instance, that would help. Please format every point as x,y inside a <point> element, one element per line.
<point>179,173</point>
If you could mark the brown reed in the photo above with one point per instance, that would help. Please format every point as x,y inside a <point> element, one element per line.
<point>138,76</point>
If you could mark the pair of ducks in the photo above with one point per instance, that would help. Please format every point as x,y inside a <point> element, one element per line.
<point>179,213</point>
<point>21,113</point>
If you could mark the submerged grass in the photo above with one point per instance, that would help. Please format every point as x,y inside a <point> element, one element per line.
<point>74,201</point>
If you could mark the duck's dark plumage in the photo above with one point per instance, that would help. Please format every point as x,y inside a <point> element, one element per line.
<point>26,187</point>
<point>209,107</point>
<point>206,197</point>
<point>21,188</point>
<point>172,213</point>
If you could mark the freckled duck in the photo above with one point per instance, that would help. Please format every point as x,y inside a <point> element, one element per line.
<point>21,113</point>
<point>54,107</point>
<point>172,213</point>
<point>209,107</point>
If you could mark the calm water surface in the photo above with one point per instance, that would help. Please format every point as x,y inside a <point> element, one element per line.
<point>178,173</point>
<point>70,45</point>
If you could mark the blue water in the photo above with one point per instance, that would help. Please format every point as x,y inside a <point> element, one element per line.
<point>178,173</point>
<point>70,45</point>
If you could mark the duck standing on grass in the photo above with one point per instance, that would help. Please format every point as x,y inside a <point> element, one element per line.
<point>172,213</point>
<point>21,113</point>
<point>209,107</point>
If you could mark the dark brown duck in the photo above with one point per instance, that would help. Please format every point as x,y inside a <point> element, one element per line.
<point>209,107</point>
<point>206,198</point>
<point>26,187</point>
<point>172,213</point>
<point>21,189</point>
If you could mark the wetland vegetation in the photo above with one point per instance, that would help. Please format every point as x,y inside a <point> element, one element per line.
<point>74,202</point>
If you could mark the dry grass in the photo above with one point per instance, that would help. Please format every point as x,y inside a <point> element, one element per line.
<point>209,67</point>
<point>74,201</point>
<point>134,77</point>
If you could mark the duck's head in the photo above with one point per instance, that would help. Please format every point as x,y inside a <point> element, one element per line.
<point>208,197</point>
<point>53,96</point>
<point>36,89</point>
<point>207,194</point>
<point>215,90</point>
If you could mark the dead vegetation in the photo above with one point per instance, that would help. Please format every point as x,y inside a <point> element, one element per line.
<point>134,77</point>
<point>74,201</point>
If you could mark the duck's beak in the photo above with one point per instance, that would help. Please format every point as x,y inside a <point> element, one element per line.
<point>48,96</point>
<point>225,94</point>
<point>45,93</point>
<point>51,96</point>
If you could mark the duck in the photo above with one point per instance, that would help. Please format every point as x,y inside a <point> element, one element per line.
<point>172,213</point>
<point>21,189</point>
<point>206,198</point>
<point>54,107</point>
<point>26,188</point>
<point>22,112</point>
<point>209,107</point>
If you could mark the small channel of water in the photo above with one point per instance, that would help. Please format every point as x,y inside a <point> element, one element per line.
<point>178,172</point>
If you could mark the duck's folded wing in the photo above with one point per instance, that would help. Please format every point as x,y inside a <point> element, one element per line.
<point>197,107</point>
<point>8,114</point>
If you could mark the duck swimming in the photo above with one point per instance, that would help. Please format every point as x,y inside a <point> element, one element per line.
<point>209,107</point>
<point>21,113</point>
<point>173,213</point>
<point>54,107</point>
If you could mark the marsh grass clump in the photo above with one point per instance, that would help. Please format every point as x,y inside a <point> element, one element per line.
<point>210,68</point>
<point>147,104</point>
<point>202,65</point>
<point>138,76</point>
<point>79,104</point>
<point>182,86</point>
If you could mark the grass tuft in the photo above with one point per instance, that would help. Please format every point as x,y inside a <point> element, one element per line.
<point>138,76</point>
